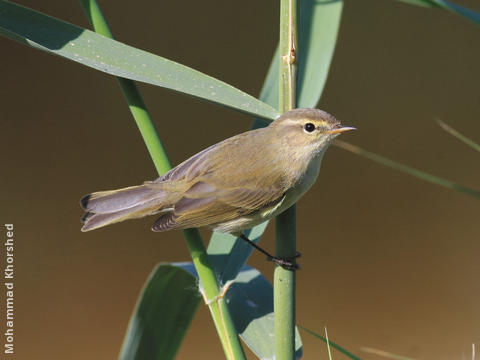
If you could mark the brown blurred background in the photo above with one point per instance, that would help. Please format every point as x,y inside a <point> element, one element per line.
<point>396,266</point>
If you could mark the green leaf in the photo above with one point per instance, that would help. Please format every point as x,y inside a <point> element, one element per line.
<point>228,253</point>
<point>319,21</point>
<point>406,169</point>
<point>448,5</point>
<point>154,333</point>
<point>331,344</point>
<point>459,136</point>
<point>250,300</point>
<point>90,49</point>
<point>423,3</point>
<point>269,92</point>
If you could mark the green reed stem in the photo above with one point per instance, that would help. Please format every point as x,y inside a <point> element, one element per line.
<point>212,296</point>
<point>132,95</point>
<point>285,242</point>
<point>210,288</point>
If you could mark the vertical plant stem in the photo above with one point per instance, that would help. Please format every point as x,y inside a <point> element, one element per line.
<point>211,290</point>
<point>285,242</point>
<point>288,55</point>
<point>132,95</point>
<point>213,297</point>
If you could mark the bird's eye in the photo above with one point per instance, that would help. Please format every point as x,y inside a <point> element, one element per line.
<point>309,127</point>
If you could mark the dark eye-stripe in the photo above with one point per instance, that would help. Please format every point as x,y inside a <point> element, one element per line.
<point>309,127</point>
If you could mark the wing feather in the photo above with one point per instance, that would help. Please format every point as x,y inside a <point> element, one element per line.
<point>220,184</point>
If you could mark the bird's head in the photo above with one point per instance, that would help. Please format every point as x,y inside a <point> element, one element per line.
<point>307,130</point>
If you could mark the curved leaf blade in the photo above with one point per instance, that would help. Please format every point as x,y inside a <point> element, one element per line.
<point>115,58</point>
<point>319,21</point>
<point>269,92</point>
<point>423,3</point>
<point>331,344</point>
<point>382,160</point>
<point>448,5</point>
<point>228,253</point>
<point>250,300</point>
<point>162,315</point>
<point>467,141</point>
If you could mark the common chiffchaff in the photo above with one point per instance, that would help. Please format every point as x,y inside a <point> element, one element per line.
<point>230,186</point>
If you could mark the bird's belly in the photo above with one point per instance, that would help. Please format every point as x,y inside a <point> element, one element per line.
<point>236,226</point>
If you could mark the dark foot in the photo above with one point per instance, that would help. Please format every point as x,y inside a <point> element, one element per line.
<point>286,263</point>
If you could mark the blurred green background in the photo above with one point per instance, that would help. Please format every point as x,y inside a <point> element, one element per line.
<point>389,261</point>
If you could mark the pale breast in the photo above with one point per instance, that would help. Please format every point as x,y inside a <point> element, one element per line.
<point>235,226</point>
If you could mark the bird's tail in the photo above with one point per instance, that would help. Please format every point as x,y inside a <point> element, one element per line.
<point>108,207</point>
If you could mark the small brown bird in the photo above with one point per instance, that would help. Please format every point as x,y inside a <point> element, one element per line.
<point>230,186</point>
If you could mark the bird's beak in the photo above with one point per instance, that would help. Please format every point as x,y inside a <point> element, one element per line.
<point>340,130</point>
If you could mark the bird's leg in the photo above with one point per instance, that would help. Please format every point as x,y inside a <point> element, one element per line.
<point>286,263</point>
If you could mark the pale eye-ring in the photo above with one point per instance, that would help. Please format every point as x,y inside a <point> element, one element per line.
<point>309,127</point>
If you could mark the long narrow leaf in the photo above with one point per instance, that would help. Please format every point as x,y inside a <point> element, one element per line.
<point>406,169</point>
<point>422,3</point>
<point>155,334</point>
<point>228,254</point>
<point>448,5</point>
<point>250,298</point>
<point>459,136</point>
<point>90,49</point>
<point>332,344</point>
<point>319,21</point>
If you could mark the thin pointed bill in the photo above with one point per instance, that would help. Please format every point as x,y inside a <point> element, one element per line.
<point>341,130</point>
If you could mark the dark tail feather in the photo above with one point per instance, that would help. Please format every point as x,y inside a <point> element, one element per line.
<point>108,207</point>
<point>115,200</point>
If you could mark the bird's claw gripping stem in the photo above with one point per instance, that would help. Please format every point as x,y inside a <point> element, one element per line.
<point>287,263</point>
